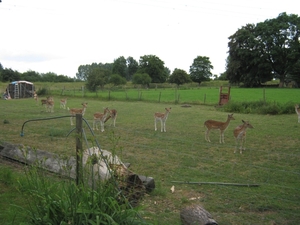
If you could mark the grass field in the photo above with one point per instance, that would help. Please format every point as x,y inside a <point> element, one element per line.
<point>182,154</point>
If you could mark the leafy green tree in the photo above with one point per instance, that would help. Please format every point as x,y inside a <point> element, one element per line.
<point>97,77</point>
<point>120,67</point>
<point>116,80</point>
<point>267,50</point>
<point>48,77</point>
<point>179,77</point>
<point>31,76</point>
<point>200,69</point>
<point>84,70</point>
<point>141,78</point>
<point>154,67</point>
<point>10,75</point>
<point>132,67</point>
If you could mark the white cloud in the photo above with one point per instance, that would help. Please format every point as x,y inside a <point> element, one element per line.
<point>59,36</point>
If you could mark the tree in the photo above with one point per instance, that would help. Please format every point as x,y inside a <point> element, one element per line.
<point>132,67</point>
<point>84,70</point>
<point>200,69</point>
<point>267,50</point>
<point>116,79</point>
<point>179,77</point>
<point>120,67</point>
<point>31,76</point>
<point>154,67</point>
<point>10,75</point>
<point>141,78</point>
<point>97,77</point>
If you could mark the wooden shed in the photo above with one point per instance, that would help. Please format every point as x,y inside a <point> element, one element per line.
<point>20,89</point>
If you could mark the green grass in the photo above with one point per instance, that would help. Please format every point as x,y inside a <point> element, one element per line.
<point>182,154</point>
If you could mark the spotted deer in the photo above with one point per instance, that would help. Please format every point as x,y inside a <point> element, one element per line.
<point>100,117</point>
<point>217,125</point>
<point>50,105</point>
<point>162,117</point>
<point>63,103</point>
<point>113,115</point>
<point>75,111</point>
<point>298,112</point>
<point>240,135</point>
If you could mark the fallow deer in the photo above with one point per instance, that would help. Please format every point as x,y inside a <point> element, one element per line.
<point>162,117</point>
<point>113,115</point>
<point>75,111</point>
<point>240,135</point>
<point>217,125</point>
<point>63,103</point>
<point>298,112</point>
<point>100,117</point>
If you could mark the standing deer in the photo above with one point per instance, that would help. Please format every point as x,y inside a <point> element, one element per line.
<point>240,135</point>
<point>63,103</point>
<point>35,96</point>
<point>113,115</point>
<point>100,117</point>
<point>298,112</point>
<point>162,117</point>
<point>50,105</point>
<point>217,125</point>
<point>75,111</point>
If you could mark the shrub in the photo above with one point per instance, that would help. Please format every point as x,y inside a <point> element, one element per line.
<point>259,107</point>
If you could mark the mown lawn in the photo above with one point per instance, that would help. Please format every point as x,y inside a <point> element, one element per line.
<point>182,154</point>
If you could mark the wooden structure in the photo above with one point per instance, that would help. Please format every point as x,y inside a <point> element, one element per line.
<point>224,96</point>
<point>20,89</point>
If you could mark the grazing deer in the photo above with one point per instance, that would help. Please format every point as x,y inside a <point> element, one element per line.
<point>162,117</point>
<point>100,117</point>
<point>50,105</point>
<point>63,103</point>
<point>75,111</point>
<point>217,125</point>
<point>113,115</point>
<point>240,135</point>
<point>298,112</point>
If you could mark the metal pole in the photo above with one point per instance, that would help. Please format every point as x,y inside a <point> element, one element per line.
<point>79,167</point>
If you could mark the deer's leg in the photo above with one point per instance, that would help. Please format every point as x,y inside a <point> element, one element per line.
<point>71,119</point>
<point>207,135</point>
<point>221,136</point>
<point>164,123</point>
<point>161,126</point>
<point>155,128</point>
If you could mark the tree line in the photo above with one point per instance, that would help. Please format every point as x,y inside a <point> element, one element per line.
<point>9,75</point>
<point>149,69</point>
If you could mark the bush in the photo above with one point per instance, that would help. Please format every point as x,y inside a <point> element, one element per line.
<point>259,107</point>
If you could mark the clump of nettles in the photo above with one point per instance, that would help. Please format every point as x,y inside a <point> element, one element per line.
<point>5,121</point>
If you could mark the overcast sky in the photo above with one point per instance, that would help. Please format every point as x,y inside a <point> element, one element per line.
<point>60,35</point>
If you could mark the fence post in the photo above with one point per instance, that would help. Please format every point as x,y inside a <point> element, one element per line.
<point>79,152</point>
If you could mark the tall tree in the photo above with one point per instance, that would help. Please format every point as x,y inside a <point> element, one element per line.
<point>200,69</point>
<point>97,77</point>
<point>132,66</point>
<point>31,76</point>
<point>153,66</point>
<point>120,66</point>
<point>179,77</point>
<point>267,50</point>
<point>141,78</point>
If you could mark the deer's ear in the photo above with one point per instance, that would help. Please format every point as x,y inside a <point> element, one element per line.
<point>243,121</point>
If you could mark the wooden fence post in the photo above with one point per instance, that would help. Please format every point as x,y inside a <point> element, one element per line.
<point>79,152</point>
